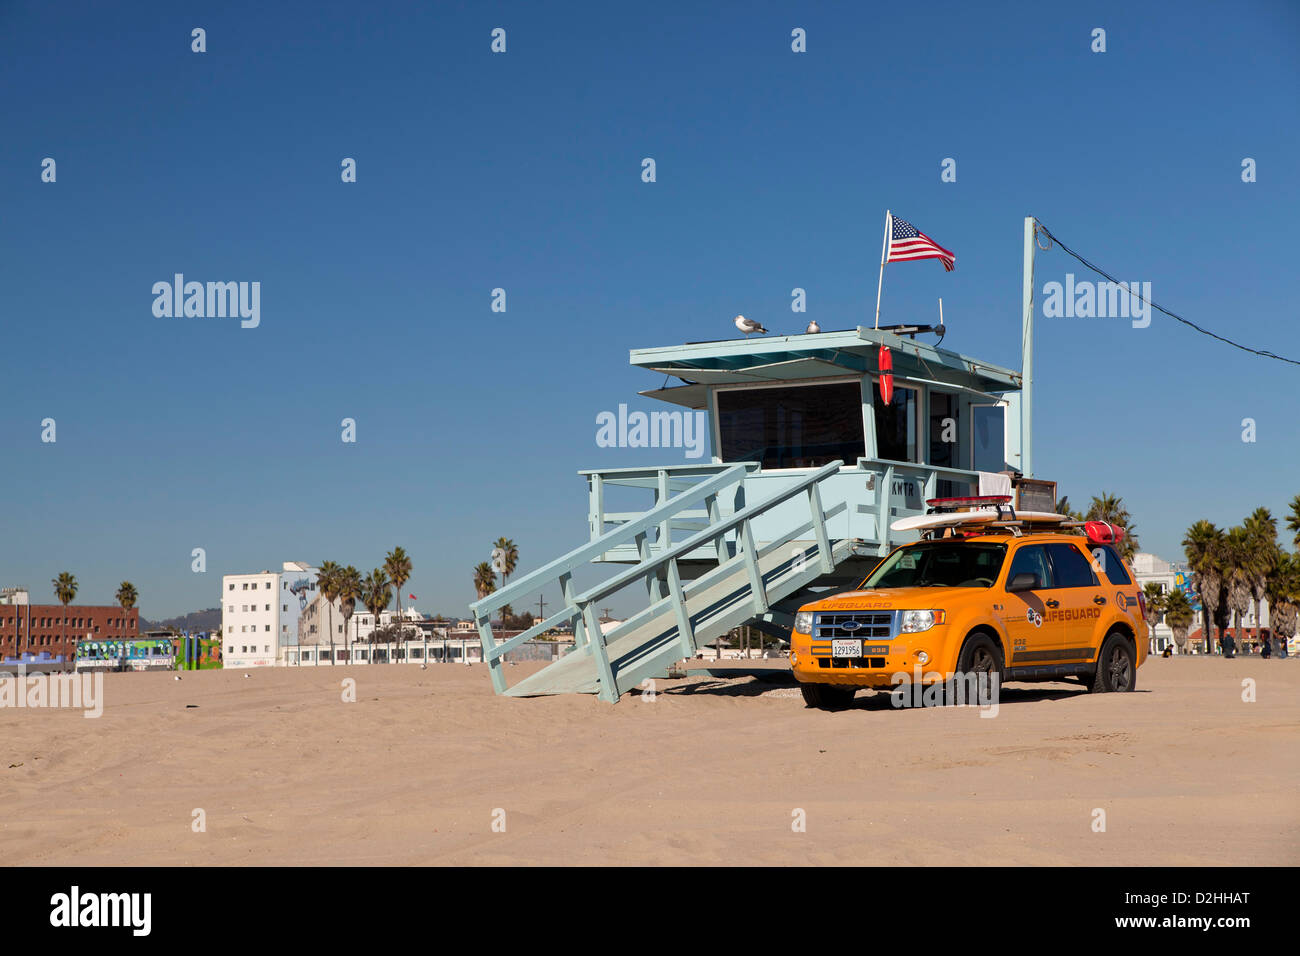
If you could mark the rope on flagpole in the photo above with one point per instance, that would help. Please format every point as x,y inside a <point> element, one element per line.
<point>884,245</point>
<point>1124,285</point>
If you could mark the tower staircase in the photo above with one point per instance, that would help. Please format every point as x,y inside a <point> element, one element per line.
<point>692,592</point>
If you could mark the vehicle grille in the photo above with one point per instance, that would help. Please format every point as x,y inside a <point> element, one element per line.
<point>839,662</point>
<point>871,626</point>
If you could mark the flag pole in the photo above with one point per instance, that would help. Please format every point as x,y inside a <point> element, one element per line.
<point>884,244</point>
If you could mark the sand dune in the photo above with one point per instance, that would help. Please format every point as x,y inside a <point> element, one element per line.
<point>710,771</point>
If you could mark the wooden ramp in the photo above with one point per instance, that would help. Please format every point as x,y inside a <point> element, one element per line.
<point>644,646</point>
<point>743,584</point>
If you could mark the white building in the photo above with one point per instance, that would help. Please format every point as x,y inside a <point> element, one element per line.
<point>313,644</point>
<point>14,596</point>
<point>259,613</point>
<point>1150,568</point>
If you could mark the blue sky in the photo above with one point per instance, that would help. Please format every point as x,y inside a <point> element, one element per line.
<point>522,171</point>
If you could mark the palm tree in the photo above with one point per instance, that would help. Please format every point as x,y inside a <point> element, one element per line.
<point>327,581</point>
<point>397,565</point>
<point>348,590</point>
<point>1262,555</point>
<point>1155,602</point>
<point>1111,508</point>
<point>509,558</point>
<point>485,580</point>
<point>1237,577</point>
<point>1283,593</point>
<point>1203,546</point>
<point>65,589</point>
<point>126,596</point>
<point>376,592</point>
<point>1178,615</point>
<point>1063,508</point>
<point>1293,520</point>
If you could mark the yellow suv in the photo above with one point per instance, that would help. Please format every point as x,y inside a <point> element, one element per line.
<point>1025,606</point>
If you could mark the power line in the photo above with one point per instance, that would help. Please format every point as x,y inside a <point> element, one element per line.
<point>1038,226</point>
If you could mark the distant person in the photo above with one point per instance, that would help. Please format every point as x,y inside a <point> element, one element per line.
<point>1229,645</point>
<point>1168,652</point>
<point>1265,648</point>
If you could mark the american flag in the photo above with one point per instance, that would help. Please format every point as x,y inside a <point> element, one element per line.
<point>908,242</point>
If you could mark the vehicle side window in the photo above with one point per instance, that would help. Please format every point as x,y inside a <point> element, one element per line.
<point>1112,565</point>
<point>1032,559</point>
<point>1070,569</point>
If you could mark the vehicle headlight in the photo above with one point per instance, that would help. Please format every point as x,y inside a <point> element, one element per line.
<point>914,621</point>
<point>803,622</point>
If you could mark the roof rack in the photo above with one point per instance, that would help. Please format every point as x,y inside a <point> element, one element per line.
<point>1013,524</point>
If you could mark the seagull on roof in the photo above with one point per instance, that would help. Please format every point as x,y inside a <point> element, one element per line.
<point>749,326</point>
<point>812,328</point>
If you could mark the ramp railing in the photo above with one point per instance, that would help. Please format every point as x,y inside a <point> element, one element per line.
<point>663,482</point>
<point>659,571</point>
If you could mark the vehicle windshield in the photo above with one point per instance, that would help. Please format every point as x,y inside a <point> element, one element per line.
<point>939,564</point>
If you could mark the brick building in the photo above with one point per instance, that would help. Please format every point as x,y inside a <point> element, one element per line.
<point>33,628</point>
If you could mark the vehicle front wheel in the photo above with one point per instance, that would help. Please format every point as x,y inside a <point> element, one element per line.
<point>980,655</point>
<point>1116,666</point>
<point>827,696</point>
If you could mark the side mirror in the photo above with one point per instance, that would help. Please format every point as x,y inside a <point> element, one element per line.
<point>1024,581</point>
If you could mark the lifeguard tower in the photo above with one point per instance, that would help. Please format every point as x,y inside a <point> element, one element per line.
<point>809,467</point>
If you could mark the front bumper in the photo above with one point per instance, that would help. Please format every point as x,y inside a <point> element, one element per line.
<point>885,651</point>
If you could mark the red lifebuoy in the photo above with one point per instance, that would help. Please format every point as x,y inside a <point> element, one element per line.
<point>886,375</point>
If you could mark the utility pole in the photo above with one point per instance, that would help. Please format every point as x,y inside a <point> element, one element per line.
<point>1027,357</point>
<point>541,609</point>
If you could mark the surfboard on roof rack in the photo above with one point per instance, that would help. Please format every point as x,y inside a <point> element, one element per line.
<point>950,519</point>
<point>941,505</point>
<point>982,519</point>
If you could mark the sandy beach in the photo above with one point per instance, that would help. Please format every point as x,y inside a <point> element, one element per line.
<point>713,770</point>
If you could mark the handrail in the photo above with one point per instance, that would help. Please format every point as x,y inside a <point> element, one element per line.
<point>866,464</point>
<point>661,571</point>
<point>711,577</point>
<point>627,531</point>
<point>655,469</point>
<point>638,571</point>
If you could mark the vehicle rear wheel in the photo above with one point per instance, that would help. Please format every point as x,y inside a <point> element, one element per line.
<point>827,696</point>
<point>1116,666</point>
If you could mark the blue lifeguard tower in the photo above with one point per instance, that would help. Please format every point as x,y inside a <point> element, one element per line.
<point>809,468</point>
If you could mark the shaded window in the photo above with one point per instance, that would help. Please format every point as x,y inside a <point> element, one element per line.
<point>799,427</point>
<point>895,424</point>
<point>944,424</point>
<point>1031,559</point>
<point>1112,565</point>
<point>939,563</point>
<point>988,438</point>
<point>1070,569</point>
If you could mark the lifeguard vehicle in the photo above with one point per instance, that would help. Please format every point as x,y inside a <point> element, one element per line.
<point>988,591</point>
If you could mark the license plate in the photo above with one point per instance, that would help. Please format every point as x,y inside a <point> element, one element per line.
<point>846,648</point>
